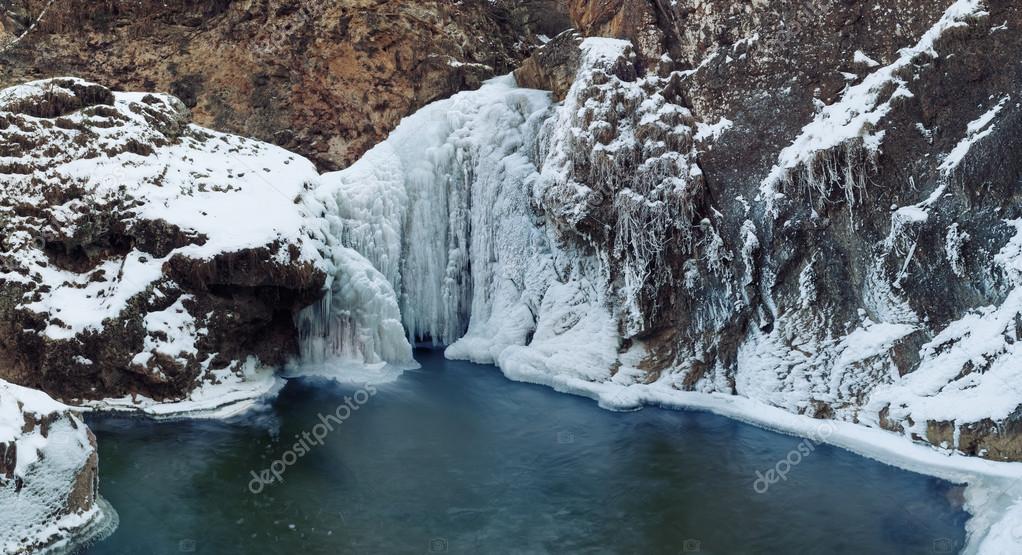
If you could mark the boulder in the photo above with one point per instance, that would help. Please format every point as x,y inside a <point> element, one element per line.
<point>48,473</point>
<point>553,66</point>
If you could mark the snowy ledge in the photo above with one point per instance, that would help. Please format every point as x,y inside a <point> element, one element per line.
<point>75,531</point>
<point>993,495</point>
<point>48,472</point>
<point>231,396</point>
<point>235,395</point>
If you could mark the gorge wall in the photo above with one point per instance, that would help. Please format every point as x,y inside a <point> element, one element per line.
<point>859,201</point>
<point>800,206</point>
<point>811,204</point>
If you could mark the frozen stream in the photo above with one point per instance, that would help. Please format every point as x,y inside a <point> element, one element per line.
<point>455,458</point>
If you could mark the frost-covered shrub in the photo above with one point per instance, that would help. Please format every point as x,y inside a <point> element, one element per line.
<point>622,173</point>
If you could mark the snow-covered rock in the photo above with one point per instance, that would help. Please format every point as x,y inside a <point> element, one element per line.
<point>144,256</point>
<point>48,474</point>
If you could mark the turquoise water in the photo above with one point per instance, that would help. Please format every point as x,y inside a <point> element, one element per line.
<point>454,458</point>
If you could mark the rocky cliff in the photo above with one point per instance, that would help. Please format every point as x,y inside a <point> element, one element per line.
<point>844,242</point>
<point>324,79</point>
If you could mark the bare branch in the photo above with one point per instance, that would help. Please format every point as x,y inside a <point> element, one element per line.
<point>4,48</point>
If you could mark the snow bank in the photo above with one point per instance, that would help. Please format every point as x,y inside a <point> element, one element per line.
<point>225,393</point>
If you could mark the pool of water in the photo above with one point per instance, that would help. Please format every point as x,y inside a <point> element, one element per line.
<point>454,458</point>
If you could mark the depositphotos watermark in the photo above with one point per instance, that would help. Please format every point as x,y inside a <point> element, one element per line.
<point>310,439</point>
<point>794,458</point>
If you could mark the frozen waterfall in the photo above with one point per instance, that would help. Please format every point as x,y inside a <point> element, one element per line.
<point>441,210</point>
<point>443,230</point>
<point>357,321</point>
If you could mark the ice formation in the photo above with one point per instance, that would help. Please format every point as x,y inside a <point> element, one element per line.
<point>357,322</point>
<point>450,210</point>
<point>441,209</point>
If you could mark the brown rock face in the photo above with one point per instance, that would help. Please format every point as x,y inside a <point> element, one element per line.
<point>999,441</point>
<point>553,66</point>
<point>635,20</point>
<point>325,79</point>
<point>85,488</point>
<point>538,17</point>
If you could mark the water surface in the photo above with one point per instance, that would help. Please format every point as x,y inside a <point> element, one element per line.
<point>454,458</point>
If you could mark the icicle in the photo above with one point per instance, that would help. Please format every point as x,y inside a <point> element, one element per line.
<point>436,208</point>
<point>357,320</point>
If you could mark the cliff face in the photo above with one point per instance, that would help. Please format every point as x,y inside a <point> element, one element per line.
<point>325,79</point>
<point>847,247</point>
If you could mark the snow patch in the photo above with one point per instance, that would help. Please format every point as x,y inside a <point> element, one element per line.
<point>846,134</point>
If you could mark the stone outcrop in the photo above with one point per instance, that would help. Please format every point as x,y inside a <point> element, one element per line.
<point>850,237</point>
<point>48,472</point>
<point>553,66</point>
<point>143,255</point>
<point>634,20</point>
